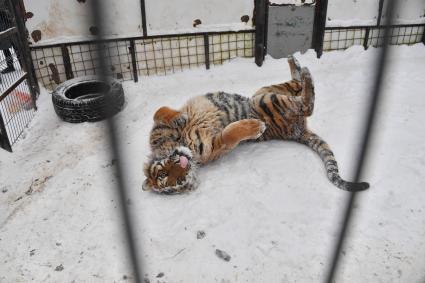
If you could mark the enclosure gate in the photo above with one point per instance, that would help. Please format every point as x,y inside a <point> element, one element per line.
<point>18,84</point>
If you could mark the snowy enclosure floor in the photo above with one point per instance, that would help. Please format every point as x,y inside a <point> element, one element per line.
<point>268,205</point>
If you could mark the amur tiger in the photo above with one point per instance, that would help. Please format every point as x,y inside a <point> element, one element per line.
<point>211,125</point>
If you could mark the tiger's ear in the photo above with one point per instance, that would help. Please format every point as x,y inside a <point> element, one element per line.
<point>146,167</point>
<point>146,185</point>
<point>166,115</point>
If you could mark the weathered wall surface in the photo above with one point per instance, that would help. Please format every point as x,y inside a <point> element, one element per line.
<point>365,12</point>
<point>164,16</point>
<point>64,20</point>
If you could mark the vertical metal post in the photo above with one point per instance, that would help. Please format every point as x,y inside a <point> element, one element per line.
<point>143,11</point>
<point>207,50</point>
<point>260,31</point>
<point>366,38</point>
<point>4,139</point>
<point>423,36</point>
<point>67,62</point>
<point>381,6</point>
<point>132,50</point>
<point>319,26</point>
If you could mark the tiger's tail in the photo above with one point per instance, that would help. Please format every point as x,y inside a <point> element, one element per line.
<point>322,148</point>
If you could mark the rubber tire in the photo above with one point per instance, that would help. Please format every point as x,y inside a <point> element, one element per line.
<point>90,109</point>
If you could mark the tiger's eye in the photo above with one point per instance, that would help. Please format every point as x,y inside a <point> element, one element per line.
<point>162,174</point>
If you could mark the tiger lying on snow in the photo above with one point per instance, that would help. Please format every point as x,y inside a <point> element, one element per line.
<point>211,125</point>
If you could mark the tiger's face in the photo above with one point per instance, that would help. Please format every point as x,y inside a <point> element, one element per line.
<point>172,174</point>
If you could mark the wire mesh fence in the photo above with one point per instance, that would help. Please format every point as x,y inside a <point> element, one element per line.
<point>126,59</point>
<point>162,55</point>
<point>398,35</point>
<point>17,111</point>
<point>339,38</point>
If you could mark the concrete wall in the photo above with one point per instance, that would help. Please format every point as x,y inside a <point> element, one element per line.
<point>64,20</point>
<point>164,16</point>
<point>365,12</point>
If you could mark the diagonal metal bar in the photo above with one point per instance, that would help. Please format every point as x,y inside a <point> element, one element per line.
<point>97,12</point>
<point>382,62</point>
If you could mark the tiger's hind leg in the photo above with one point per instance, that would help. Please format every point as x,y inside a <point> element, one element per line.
<point>295,68</point>
<point>307,93</point>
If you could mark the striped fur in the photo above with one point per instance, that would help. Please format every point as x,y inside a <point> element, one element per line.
<point>211,125</point>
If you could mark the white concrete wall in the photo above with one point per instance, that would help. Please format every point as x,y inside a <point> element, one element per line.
<point>365,12</point>
<point>357,12</point>
<point>164,16</point>
<point>409,11</point>
<point>62,20</point>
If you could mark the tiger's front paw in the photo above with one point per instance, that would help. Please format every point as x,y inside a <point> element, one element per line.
<point>262,129</point>
<point>252,128</point>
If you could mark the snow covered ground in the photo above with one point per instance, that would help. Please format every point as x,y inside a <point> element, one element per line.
<point>269,205</point>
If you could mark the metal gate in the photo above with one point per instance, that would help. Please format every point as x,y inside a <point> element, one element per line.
<point>18,84</point>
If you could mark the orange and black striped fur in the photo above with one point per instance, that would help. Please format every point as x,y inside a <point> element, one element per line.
<point>211,125</point>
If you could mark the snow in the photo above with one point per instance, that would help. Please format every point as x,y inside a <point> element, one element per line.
<point>269,206</point>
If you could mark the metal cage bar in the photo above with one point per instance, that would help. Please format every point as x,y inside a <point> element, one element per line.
<point>366,137</point>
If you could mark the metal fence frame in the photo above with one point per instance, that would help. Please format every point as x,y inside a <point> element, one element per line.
<point>340,38</point>
<point>67,60</point>
<point>132,57</point>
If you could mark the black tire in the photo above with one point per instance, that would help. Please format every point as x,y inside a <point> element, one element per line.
<point>87,99</point>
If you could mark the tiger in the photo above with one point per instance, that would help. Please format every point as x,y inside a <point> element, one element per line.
<point>210,125</point>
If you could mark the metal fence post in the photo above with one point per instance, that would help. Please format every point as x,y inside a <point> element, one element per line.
<point>67,62</point>
<point>260,31</point>
<point>319,26</point>
<point>143,12</point>
<point>132,50</point>
<point>423,36</point>
<point>381,6</point>
<point>207,50</point>
<point>4,139</point>
<point>366,38</point>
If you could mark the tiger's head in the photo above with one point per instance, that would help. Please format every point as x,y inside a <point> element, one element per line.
<point>175,173</point>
